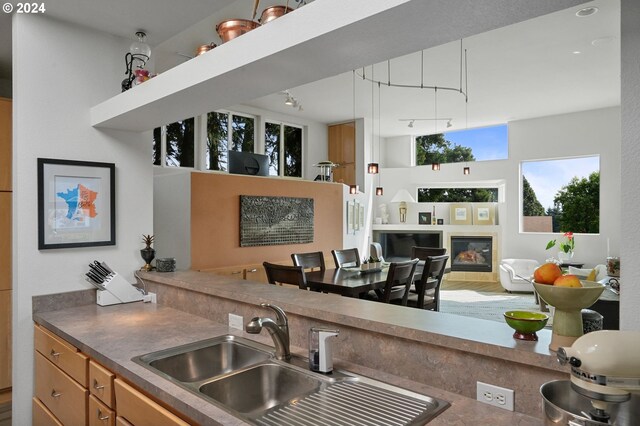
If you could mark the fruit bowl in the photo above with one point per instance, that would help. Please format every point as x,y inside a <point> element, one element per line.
<point>526,323</point>
<point>568,301</point>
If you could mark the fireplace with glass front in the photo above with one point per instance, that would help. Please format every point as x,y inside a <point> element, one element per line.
<point>471,253</point>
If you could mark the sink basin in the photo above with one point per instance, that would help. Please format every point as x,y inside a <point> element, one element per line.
<point>205,359</point>
<point>260,388</point>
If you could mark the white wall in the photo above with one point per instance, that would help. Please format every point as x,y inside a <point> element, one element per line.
<point>398,151</point>
<point>576,134</point>
<point>630,206</point>
<point>74,69</point>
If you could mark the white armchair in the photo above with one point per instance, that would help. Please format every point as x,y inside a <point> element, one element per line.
<point>512,269</point>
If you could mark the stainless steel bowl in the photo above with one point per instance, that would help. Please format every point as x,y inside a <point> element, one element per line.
<point>561,405</point>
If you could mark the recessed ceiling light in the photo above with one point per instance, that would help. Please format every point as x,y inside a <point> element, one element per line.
<point>576,52</point>
<point>587,11</point>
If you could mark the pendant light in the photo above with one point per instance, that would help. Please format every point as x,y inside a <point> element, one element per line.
<point>466,170</point>
<point>372,168</point>
<point>353,189</point>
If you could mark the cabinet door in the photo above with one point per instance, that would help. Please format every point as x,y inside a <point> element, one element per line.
<point>5,240</point>
<point>139,410</point>
<point>342,150</point>
<point>42,416</point>
<point>5,339</point>
<point>5,144</point>
<point>101,383</point>
<point>62,354</point>
<point>100,414</point>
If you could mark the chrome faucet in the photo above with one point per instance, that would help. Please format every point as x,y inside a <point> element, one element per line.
<point>278,329</point>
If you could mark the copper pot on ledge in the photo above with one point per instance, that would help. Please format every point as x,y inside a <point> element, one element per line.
<point>232,28</point>
<point>274,12</point>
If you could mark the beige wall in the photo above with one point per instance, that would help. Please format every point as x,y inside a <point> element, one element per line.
<point>215,218</point>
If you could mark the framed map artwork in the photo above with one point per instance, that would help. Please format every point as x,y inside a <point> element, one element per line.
<point>76,204</point>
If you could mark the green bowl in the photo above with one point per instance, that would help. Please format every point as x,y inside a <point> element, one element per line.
<point>526,323</point>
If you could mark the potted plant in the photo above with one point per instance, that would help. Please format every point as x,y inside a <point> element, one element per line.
<point>565,246</point>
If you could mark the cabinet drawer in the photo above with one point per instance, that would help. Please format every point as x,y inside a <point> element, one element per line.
<point>62,354</point>
<point>65,398</point>
<point>42,416</point>
<point>121,421</point>
<point>101,383</point>
<point>100,414</point>
<point>139,410</point>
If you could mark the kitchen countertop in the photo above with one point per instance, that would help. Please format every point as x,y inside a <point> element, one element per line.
<point>113,335</point>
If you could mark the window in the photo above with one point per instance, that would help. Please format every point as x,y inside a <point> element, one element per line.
<point>227,131</point>
<point>179,144</point>
<point>485,143</point>
<point>561,195</point>
<point>457,195</point>
<point>286,139</point>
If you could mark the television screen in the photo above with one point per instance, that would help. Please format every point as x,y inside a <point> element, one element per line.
<point>248,163</point>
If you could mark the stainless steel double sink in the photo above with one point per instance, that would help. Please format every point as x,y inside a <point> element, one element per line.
<point>243,377</point>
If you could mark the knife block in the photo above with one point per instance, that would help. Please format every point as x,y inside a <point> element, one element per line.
<point>118,290</point>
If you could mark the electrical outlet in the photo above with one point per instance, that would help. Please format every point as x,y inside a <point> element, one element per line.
<point>495,395</point>
<point>236,321</point>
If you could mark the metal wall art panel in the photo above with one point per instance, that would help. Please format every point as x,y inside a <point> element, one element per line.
<point>268,221</point>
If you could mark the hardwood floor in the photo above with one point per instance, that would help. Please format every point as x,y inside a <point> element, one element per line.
<point>492,287</point>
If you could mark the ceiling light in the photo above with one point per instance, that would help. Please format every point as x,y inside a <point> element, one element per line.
<point>449,124</point>
<point>576,52</point>
<point>379,190</point>
<point>372,168</point>
<point>587,11</point>
<point>353,189</point>
<point>435,166</point>
<point>466,171</point>
<point>411,124</point>
<point>289,101</point>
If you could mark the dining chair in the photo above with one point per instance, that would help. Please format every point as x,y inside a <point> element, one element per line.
<point>423,252</point>
<point>310,260</point>
<point>283,274</point>
<point>346,257</point>
<point>399,280</point>
<point>427,296</point>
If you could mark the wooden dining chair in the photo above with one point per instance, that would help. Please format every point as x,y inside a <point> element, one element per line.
<point>399,280</point>
<point>427,296</point>
<point>283,274</point>
<point>313,260</point>
<point>346,257</point>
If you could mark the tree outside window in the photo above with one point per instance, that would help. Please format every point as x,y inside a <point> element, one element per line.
<point>225,132</point>
<point>180,144</point>
<point>283,146</point>
<point>561,195</point>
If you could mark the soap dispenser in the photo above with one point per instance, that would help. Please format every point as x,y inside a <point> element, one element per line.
<point>321,349</point>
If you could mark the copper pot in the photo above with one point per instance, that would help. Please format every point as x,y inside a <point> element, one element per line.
<point>271,13</point>
<point>205,48</point>
<point>228,30</point>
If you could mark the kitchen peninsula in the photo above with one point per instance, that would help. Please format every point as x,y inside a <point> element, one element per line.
<point>436,354</point>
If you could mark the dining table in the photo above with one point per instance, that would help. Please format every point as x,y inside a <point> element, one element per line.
<point>352,282</point>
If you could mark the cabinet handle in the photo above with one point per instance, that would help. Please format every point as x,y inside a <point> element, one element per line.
<point>101,416</point>
<point>54,354</point>
<point>55,394</point>
<point>253,270</point>
<point>96,385</point>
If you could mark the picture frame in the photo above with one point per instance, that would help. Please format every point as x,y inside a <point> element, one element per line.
<point>424,218</point>
<point>76,204</point>
<point>484,214</point>
<point>356,215</point>
<point>461,214</point>
<point>350,218</point>
<point>440,221</point>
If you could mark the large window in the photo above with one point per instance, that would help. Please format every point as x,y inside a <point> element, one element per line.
<point>227,131</point>
<point>561,195</point>
<point>283,145</point>
<point>485,143</point>
<point>179,144</point>
<point>457,195</point>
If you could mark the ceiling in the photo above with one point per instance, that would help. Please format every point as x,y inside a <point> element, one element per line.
<point>521,71</point>
<point>550,65</point>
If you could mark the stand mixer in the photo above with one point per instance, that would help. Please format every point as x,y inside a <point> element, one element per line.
<point>605,372</point>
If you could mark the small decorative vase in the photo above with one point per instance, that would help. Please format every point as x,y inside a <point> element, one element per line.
<point>565,257</point>
<point>148,254</point>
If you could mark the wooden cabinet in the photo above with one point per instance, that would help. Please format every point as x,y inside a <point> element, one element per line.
<point>139,410</point>
<point>5,144</point>
<point>342,150</point>
<point>5,240</point>
<point>71,389</point>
